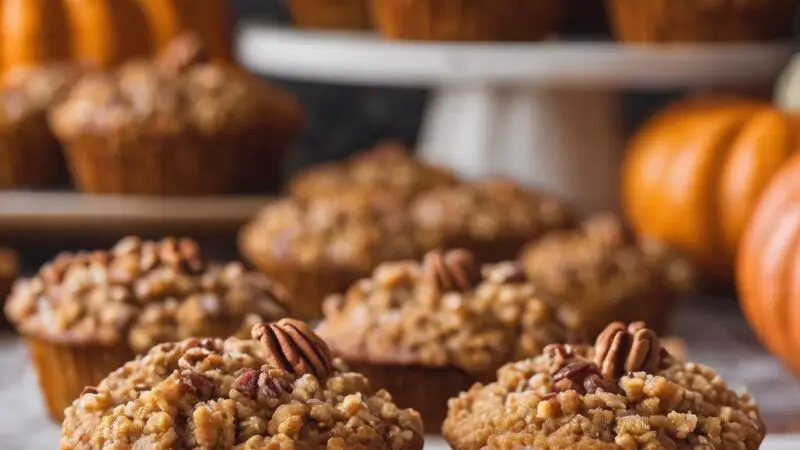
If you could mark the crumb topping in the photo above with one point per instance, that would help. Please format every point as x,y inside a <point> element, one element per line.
<point>29,91</point>
<point>142,292</point>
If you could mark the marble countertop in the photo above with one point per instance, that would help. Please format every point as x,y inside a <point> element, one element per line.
<point>714,330</point>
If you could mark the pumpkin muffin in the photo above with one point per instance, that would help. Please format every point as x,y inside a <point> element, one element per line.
<point>601,273</point>
<point>178,125</point>
<point>9,270</point>
<point>625,392</point>
<point>430,330</point>
<point>84,314</point>
<point>493,218</point>
<point>389,166</point>
<point>639,21</point>
<point>322,246</point>
<point>29,153</point>
<point>330,14</point>
<point>280,390</point>
<point>466,20</point>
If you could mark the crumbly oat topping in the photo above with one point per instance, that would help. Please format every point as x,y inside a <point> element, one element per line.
<point>601,271</point>
<point>216,394</point>
<point>388,166</point>
<point>405,314</point>
<point>559,400</point>
<point>356,229</point>
<point>177,93</point>
<point>30,91</point>
<point>485,211</point>
<point>142,292</point>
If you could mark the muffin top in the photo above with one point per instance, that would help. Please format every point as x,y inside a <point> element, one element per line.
<point>181,91</point>
<point>389,166</point>
<point>602,267</point>
<point>280,390</point>
<point>626,392</point>
<point>445,311</point>
<point>28,91</point>
<point>142,292</point>
<point>356,229</point>
<point>486,211</point>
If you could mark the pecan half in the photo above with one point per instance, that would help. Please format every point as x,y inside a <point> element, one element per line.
<point>621,350</point>
<point>455,270</point>
<point>292,346</point>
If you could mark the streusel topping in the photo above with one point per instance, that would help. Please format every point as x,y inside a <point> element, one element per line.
<point>601,269</point>
<point>29,91</point>
<point>356,229</point>
<point>485,211</point>
<point>142,292</point>
<point>216,394</point>
<point>446,311</point>
<point>565,399</point>
<point>389,166</point>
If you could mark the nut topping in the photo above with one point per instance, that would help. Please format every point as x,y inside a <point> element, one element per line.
<point>455,270</point>
<point>182,52</point>
<point>292,346</point>
<point>621,350</point>
<point>583,377</point>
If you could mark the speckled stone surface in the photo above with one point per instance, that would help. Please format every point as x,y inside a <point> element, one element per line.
<point>715,332</point>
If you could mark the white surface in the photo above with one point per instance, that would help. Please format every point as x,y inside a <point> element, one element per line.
<point>364,58</point>
<point>545,113</point>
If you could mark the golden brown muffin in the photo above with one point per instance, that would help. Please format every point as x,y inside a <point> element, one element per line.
<point>388,166</point>
<point>431,330</point>
<point>85,314</point>
<point>701,21</point>
<point>280,390</point>
<point>322,246</point>
<point>29,153</point>
<point>331,14</point>
<point>493,218</point>
<point>624,393</point>
<point>466,20</point>
<point>175,126</point>
<point>602,273</point>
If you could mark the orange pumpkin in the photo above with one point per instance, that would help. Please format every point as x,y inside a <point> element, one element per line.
<point>693,174</point>
<point>768,269</point>
<point>106,32</point>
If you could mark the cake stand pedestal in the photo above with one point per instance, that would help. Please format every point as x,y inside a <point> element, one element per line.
<point>546,114</point>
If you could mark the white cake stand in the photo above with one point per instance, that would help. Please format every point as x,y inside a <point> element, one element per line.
<point>546,114</point>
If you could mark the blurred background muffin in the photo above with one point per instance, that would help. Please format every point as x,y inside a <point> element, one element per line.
<point>175,126</point>
<point>85,314</point>
<point>9,270</point>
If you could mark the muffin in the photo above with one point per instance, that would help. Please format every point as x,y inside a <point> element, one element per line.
<point>175,126</point>
<point>30,155</point>
<point>331,14</point>
<point>280,390</point>
<point>9,269</point>
<point>601,273</point>
<point>85,314</point>
<point>389,166</point>
<point>466,20</point>
<point>431,330</point>
<point>493,218</point>
<point>322,246</point>
<point>692,21</point>
<point>625,392</point>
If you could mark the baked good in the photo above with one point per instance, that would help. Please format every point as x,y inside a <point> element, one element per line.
<point>691,21</point>
<point>466,20</point>
<point>601,273</point>
<point>332,14</point>
<point>85,314</point>
<point>432,329</point>
<point>492,218</point>
<point>624,392</point>
<point>29,153</point>
<point>175,126</point>
<point>280,390</point>
<point>388,166</point>
<point>322,246</point>
<point>9,270</point>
